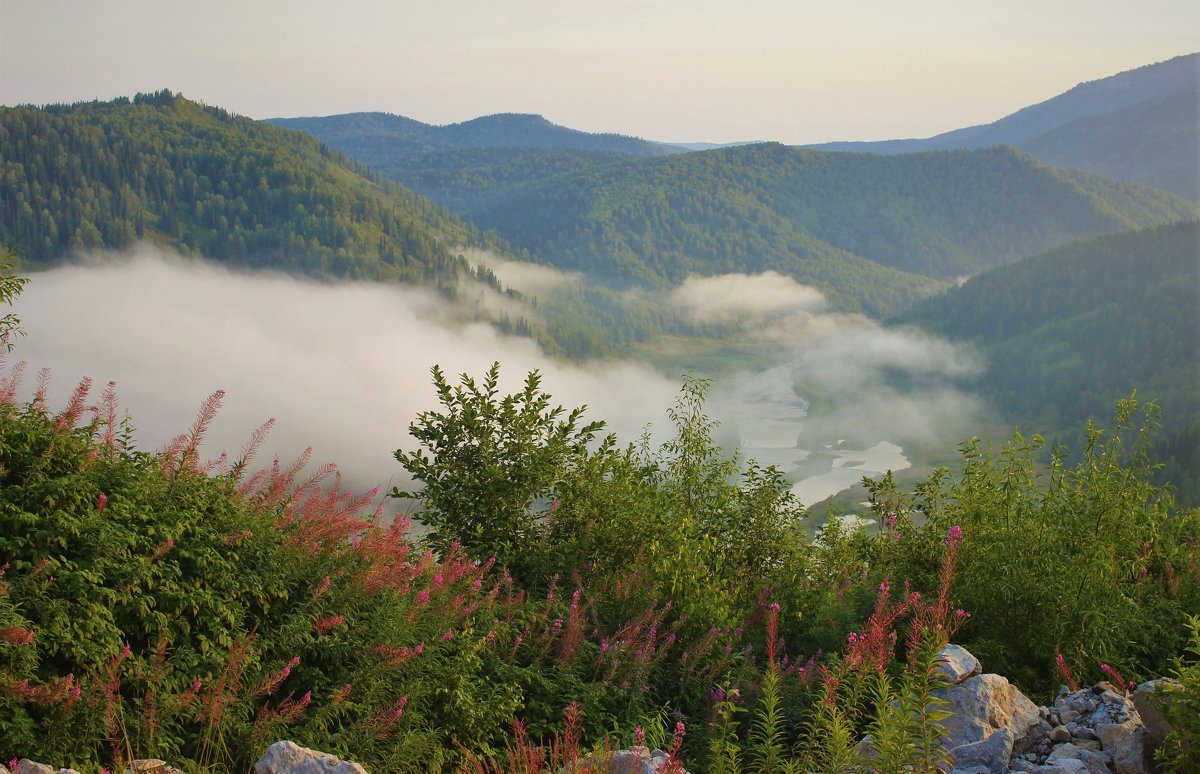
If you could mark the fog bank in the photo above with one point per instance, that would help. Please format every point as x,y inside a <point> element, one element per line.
<point>343,368</point>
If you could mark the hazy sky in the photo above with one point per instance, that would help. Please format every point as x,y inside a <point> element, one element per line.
<point>790,70</point>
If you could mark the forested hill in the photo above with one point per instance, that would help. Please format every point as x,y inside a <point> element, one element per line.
<point>1139,126</point>
<point>1069,332</point>
<point>381,139</point>
<point>859,226</point>
<point>170,171</point>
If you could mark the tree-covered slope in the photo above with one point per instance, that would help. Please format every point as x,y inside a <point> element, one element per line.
<point>1070,331</point>
<point>463,179</point>
<point>859,226</point>
<point>173,172</point>
<point>1133,126</point>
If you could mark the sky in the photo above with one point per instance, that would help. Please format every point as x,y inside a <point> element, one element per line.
<point>795,71</point>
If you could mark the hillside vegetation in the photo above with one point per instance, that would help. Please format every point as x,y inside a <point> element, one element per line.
<point>873,232</point>
<point>1068,332</point>
<point>170,171</point>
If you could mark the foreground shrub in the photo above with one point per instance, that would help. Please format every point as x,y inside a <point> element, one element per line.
<point>1090,561</point>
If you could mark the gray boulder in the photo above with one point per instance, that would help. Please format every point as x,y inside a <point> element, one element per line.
<point>1146,698</point>
<point>635,760</point>
<point>956,664</point>
<point>26,766</point>
<point>984,704</point>
<point>290,758</point>
<point>989,755</point>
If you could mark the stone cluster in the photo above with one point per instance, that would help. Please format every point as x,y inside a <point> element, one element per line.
<point>995,729</point>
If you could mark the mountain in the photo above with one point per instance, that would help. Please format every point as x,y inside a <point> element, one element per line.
<point>873,232</point>
<point>167,170</point>
<point>1140,125</point>
<point>1069,332</point>
<point>381,139</point>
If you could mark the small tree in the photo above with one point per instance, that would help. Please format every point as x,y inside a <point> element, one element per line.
<point>486,460</point>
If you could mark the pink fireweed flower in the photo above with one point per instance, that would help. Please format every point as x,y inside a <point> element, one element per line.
<point>17,635</point>
<point>162,549</point>
<point>101,501</point>
<point>400,705</point>
<point>422,597</point>
<point>449,635</point>
<point>419,649</point>
<point>196,686</point>
<point>954,537</point>
<point>306,698</point>
<point>639,737</point>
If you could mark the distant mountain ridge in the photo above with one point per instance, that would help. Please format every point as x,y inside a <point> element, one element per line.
<point>381,139</point>
<point>1098,126</point>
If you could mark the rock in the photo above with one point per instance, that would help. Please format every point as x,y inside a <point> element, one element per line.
<point>290,758</point>
<point>1064,766</point>
<point>1146,700</point>
<point>1093,762</point>
<point>636,760</point>
<point>150,766</point>
<point>984,704</point>
<point>974,770</point>
<point>26,766</point>
<point>956,664</point>
<point>1060,734</point>
<point>990,755</point>
<point>1126,742</point>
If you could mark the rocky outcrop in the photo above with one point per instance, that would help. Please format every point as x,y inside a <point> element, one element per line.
<point>995,729</point>
<point>290,758</point>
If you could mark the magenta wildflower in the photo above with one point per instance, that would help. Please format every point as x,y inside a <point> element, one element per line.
<point>101,501</point>
<point>196,686</point>
<point>955,536</point>
<point>449,635</point>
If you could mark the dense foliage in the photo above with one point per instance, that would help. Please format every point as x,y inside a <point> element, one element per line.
<point>167,170</point>
<point>1068,333</point>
